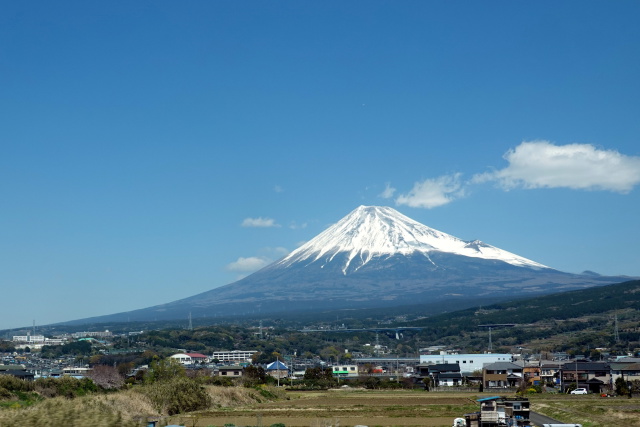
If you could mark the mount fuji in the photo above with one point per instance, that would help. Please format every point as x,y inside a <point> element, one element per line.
<point>375,257</point>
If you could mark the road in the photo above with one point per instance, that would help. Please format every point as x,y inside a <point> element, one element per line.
<point>539,419</point>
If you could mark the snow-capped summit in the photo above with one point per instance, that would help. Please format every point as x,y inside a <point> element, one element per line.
<point>369,232</point>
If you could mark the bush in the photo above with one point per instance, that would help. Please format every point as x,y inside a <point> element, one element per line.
<point>68,387</point>
<point>5,394</point>
<point>220,381</point>
<point>11,383</point>
<point>177,395</point>
<point>163,370</point>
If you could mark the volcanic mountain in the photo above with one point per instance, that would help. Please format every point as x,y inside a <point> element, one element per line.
<point>375,257</point>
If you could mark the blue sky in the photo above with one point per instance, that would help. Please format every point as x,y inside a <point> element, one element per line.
<point>153,150</point>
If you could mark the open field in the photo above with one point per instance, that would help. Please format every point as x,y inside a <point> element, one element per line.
<point>405,408</point>
<point>590,410</point>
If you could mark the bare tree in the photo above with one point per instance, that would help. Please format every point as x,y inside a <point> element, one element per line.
<point>107,377</point>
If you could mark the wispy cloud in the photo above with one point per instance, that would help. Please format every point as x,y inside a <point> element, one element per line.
<point>259,222</point>
<point>542,164</point>
<point>278,189</point>
<point>295,226</point>
<point>248,265</point>
<point>388,191</point>
<point>433,192</point>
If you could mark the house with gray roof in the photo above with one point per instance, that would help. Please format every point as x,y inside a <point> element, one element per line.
<point>594,376</point>
<point>502,375</point>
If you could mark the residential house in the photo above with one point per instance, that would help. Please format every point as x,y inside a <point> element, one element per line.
<point>445,375</point>
<point>230,371</point>
<point>502,375</point>
<point>550,372</point>
<point>277,369</point>
<point>18,371</point>
<point>594,376</point>
<point>531,372</point>
<point>628,368</point>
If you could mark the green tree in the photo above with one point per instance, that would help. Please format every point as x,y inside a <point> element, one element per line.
<point>255,374</point>
<point>164,369</point>
<point>622,389</point>
<point>318,373</point>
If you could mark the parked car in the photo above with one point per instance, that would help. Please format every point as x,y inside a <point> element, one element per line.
<point>579,391</point>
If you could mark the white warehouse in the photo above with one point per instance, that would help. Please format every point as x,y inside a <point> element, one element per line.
<point>468,362</point>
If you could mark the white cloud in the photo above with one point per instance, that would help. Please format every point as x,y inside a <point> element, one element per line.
<point>248,265</point>
<point>295,226</point>
<point>275,252</point>
<point>541,164</point>
<point>388,191</point>
<point>433,192</point>
<point>259,222</point>
<point>278,189</point>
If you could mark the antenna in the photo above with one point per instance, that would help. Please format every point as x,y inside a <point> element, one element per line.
<point>497,325</point>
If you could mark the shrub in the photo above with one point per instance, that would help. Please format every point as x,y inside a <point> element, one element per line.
<point>177,395</point>
<point>162,370</point>
<point>5,394</point>
<point>12,383</point>
<point>68,387</point>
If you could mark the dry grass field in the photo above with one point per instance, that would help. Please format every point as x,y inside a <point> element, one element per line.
<point>405,408</point>
<point>342,408</point>
<point>241,406</point>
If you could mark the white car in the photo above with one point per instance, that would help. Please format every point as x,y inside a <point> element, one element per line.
<point>579,391</point>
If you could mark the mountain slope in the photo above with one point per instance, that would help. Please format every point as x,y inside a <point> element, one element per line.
<point>375,257</point>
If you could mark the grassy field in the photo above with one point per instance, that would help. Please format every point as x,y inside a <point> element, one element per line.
<point>590,410</point>
<point>405,408</point>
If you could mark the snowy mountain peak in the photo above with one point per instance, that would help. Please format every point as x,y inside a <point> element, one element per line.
<point>369,232</point>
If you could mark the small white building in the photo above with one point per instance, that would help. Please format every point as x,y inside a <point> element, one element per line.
<point>190,358</point>
<point>343,371</point>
